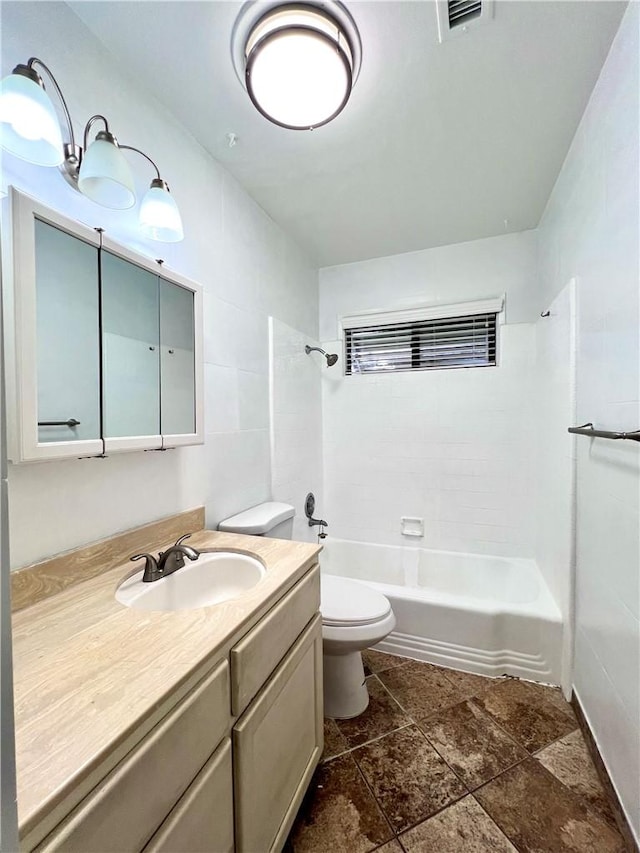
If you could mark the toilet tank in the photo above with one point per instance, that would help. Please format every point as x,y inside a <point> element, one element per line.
<point>271,519</point>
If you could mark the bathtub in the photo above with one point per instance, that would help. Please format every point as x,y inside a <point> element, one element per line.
<point>482,614</point>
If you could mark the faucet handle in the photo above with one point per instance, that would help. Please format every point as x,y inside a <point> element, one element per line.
<point>182,538</point>
<point>150,567</point>
<point>148,557</point>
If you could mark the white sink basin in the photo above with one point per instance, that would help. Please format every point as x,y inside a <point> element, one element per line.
<point>210,579</point>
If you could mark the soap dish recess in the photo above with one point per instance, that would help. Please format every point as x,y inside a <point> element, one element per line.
<point>412,526</point>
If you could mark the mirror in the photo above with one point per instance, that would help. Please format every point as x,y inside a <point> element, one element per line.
<point>67,336</point>
<point>131,349</point>
<point>177,359</point>
<point>103,346</point>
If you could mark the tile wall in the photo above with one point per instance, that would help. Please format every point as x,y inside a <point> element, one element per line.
<point>590,230</point>
<point>453,447</point>
<point>296,423</point>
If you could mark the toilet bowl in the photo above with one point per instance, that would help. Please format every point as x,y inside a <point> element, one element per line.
<point>354,617</point>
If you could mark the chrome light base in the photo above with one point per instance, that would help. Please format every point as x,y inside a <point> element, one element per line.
<point>70,168</point>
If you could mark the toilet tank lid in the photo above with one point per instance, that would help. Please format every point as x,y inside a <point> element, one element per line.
<point>259,519</point>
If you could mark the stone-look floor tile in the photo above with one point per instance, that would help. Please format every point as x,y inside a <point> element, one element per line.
<point>375,661</point>
<point>540,815</point>
<point>468,682</point>
<point>472,744</point>
<point>390,847</point>
<point>334,742</point>
<point>534,715</point>
<point>408,777</point>
<point>464,827</point>
<point>569,761</point>
<point>420,689</point>
<point>339,813</point>
<point>382,716</point>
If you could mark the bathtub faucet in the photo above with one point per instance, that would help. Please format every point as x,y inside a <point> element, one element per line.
<point>317,522</point>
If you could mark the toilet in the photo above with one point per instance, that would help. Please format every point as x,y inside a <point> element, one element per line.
<point>354,616</point>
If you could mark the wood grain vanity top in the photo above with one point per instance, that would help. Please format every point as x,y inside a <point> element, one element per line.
<point>88,670</point>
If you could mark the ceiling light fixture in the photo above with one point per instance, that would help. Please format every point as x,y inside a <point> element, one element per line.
<point>298,62</point>
<point>29,129</point>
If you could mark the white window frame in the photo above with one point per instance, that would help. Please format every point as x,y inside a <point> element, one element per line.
<point>434,311</point>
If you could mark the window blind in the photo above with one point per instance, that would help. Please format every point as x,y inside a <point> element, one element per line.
<point>468,341</point>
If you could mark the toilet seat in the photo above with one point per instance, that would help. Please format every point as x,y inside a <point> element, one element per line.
<point>345,603</point>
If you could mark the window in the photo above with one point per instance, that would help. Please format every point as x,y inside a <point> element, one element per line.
<point>421,344</point>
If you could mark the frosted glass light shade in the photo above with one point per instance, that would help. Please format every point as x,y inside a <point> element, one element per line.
<point>29,127</point>
<point>105,176</point>
<point>159,215</point>
<point>299,68</point>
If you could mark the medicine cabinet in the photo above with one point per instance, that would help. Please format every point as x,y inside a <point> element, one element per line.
<point>103,346</point>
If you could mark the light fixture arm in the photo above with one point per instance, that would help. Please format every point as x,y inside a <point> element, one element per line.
<point>90,124</point>
<point>33,61</point>
<point>146,156</point>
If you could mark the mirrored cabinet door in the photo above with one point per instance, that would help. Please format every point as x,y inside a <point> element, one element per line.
<point>130,349</point>
<point>67,336</point>
<point>177,360</point>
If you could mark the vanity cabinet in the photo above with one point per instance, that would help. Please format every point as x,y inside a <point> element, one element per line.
<point>207,779</point>
<point>128,805</point>
<point>103,345</point>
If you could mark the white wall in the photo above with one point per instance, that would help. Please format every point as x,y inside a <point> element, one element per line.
<point>454,447</point>
<point>296,424</point>
<point>590,230</point>
<point>249,268</point>
<point>463,271</point>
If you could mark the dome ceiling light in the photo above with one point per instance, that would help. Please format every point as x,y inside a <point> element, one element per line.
<point>298,62</point>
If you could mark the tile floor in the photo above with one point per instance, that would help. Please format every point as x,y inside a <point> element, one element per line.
<point>446,762</point>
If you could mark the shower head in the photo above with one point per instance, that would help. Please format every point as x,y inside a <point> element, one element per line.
<point>331,357</point>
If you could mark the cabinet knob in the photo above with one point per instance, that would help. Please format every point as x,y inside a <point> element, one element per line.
<point>171,352</point>
<point>152,349</point>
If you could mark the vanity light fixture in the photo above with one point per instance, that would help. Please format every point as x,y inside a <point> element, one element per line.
<point>29,129</point>
<point>298,62</point>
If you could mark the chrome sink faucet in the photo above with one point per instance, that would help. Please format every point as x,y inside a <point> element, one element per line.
<point>168,561</point>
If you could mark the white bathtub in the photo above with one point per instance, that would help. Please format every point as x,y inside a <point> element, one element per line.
<point>489,615</point>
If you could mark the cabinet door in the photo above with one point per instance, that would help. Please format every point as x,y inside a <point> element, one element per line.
<point>277,744</point>
<point>202,821</point>
<point>67,335</point>
<point>130,354</point>
<point>177,360</point>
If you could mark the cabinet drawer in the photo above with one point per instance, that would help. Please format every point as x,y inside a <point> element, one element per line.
<point>124,810</point>
<point>255,657</point>
<point>277,745</point>
<point>202,821</point>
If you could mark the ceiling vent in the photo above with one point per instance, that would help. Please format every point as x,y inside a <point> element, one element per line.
<point>456,17</point>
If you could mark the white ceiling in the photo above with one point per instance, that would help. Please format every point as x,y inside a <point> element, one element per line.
<point>440,143</point>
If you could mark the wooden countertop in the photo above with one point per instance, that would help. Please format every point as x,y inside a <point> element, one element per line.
<point>88,670</point>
